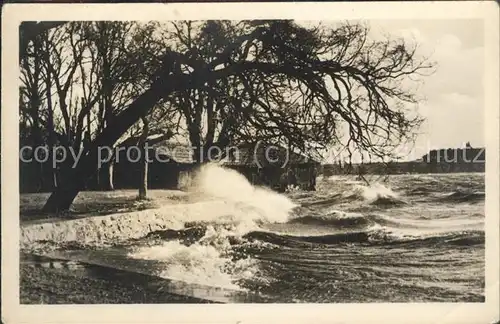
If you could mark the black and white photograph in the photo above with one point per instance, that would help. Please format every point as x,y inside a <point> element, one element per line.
<point>230,158</point>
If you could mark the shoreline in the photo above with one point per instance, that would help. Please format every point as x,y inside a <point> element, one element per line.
<point>91,283</point>
<point>66,237</point>
<point>55,286</point>
<point>61,280</point>
<point>113,228</point>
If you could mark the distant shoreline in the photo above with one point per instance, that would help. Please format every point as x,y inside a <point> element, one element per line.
<point>392,168</point>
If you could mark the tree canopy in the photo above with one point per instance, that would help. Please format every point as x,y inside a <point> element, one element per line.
<point>305,86</point>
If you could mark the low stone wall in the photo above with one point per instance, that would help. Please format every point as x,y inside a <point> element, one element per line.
<point>117,227</point>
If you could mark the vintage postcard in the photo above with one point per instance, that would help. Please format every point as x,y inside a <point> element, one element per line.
<point>298,162</point>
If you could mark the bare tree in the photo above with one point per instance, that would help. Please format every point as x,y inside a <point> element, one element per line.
<point>50,108</point>
<point>325,82</point>
<point>303,86</point>
<point>33,90</point>
<point>95,58</point>
<point>30,30</point>
<point>117,49</point>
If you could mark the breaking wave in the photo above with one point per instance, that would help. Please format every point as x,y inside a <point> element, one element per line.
<point>201,253</point>
<point>257,203</point>
<point>197,263</point>
<point>220,247</point>
<point>373,236</point>
<point>375,194</point>
<point>460,196</point>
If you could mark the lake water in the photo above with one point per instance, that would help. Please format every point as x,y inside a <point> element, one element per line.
<point>403,238</point>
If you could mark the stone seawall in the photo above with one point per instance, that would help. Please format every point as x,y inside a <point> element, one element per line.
<point>104,280</point>
<point>118,227</point>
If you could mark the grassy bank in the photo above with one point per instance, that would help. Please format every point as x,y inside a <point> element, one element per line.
<point>98,203</point>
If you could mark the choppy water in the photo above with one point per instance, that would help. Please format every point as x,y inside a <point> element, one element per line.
<point>408,238</point>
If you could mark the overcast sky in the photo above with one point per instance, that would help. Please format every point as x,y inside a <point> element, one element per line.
<point>454,107</point>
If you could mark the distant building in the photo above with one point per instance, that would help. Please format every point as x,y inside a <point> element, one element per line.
<point>172,163</point>
<point>458,155</point>
<point>274,166</point>
<point>466,159</point>
<point>168,162</point>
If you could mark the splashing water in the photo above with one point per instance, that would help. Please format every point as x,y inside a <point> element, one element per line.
<point>256,203</point>
<point>346,242</point>
<point>376,191</point>
<point>197,263</point>
<point>209,261</point>
<point>376,194</point>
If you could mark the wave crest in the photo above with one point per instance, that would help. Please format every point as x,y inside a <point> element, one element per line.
<point>460,196</point>
<point>373,236</point>
<point>213,181</point>
<point>375,194</point>
<point>334,218</point>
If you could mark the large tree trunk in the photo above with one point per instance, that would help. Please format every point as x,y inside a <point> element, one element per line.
<point>107,176</point>
<point>143,178</point>
<point>63,196</point>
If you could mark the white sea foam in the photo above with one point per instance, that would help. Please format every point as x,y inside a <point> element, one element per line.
<point>255,203</point>
<point>198,263</point>
<point>241,208</point>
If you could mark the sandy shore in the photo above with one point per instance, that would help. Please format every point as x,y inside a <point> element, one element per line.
<point>60,286</point>
<point>119,218</point>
